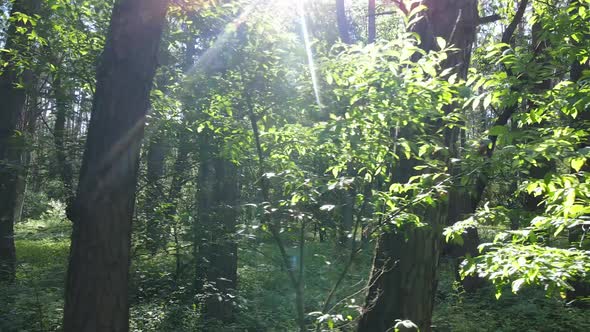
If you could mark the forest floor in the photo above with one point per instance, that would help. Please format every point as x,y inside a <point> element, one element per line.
<point>163,302</point>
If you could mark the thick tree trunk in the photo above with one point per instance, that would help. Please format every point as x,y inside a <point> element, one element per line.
<point>96,296</point>
<point>402,280</point>
<point>12,102</point>
<point>343,27</point>
<point>403,277</point>
<point>217,218</point>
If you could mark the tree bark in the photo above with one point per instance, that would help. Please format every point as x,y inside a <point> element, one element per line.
<point>402,279</point>
<point>96,296</point>
<point>371,19</point>
<point>12,103</point>
<point>403,276</point>
<point>343,27</point>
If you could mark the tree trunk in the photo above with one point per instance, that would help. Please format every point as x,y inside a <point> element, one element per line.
<point>371,19</point>
<point>343,27</point>
<point>347,212</point>
<point>464,201</point>
<point>12,102</point>
<point>217,256</point>
<point>156,223</point>
<point>403,277</point>
<point>532,203</point>
<point>64,169</point>
<point>402,280</point>
<point>96,296</point>
<point>28,126</point>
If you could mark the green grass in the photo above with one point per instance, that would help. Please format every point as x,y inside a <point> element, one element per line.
<point>160,302</point>
<point>35,301</point>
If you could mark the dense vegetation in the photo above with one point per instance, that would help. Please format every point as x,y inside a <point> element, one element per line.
<point>258,165</point>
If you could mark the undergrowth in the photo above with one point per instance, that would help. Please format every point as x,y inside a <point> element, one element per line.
<point>162,298</point>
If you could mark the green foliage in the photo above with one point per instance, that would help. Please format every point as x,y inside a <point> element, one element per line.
<point>335,125</point>
<point>541,158</point>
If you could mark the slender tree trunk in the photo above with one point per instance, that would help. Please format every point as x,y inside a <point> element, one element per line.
<point>64,169</point>
<point>96,296</point>
<point>371,19</point>
<point>12,103</point>
<point>347,211</point>
<point>343,27</point>
<point>29,125</point>
<point>403,276</point>
<point>156,222</point>
<point>348,205</point>
<point>532,203</point>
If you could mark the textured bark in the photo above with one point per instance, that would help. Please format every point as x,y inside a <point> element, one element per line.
<point>217,256</point>
<point>12,103</point>
<point>404,268</point>
<point>343,27</point>
<point>96,296</point>
<point>403,276</point>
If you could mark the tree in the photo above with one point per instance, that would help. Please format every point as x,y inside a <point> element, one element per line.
<point>14,79</point>
<point>96,287</point>
<point>342,20</point>
<point>372,18</point>
<point>543,145</point>
<point>217,217</point>
<point>403,276</point>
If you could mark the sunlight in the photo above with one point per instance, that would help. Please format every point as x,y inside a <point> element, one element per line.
<point>282,7</point>
<point>207,58</point>
<point>308,50</point>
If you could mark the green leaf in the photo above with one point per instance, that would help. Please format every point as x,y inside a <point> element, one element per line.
<point>498,130</point>
<point>441,42</point>
<point>327,207</point>
<point>578,163</point>
<point>517,284</point>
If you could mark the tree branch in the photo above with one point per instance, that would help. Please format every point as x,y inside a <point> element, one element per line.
<point>489,19</point>
<point>509,32</point>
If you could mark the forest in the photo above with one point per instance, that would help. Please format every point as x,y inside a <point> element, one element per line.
<point>294,165</point>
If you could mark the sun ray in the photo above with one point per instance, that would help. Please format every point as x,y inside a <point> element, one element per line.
<point>309,52</point>
<point>209,55</point>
